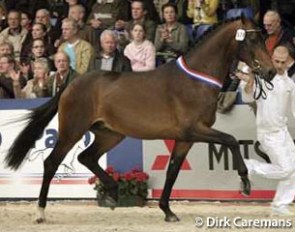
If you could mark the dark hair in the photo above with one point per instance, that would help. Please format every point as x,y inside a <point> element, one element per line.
<point>144,6</point>
<point>169,4</point>
<point>27,14</point>
<point>43,26</point>
<point>135,24</point>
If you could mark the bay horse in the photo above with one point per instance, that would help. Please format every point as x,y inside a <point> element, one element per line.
<point>177,101</point>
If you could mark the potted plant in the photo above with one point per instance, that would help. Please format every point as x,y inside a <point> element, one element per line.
<point>132,188</point>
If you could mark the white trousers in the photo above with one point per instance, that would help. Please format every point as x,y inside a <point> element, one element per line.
<point>280,148</point>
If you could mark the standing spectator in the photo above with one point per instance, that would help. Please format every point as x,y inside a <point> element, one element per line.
<point>272,131</point>
<point>7,66</point>
<point>276,34</point>
<point>15,34</point>
<point>79,51</point>
<point>203,13</point>
<point>109,58</point>
<point>35,87</point>
<point>141,52</point>
<point>171,36</point>
<point>64,73</point>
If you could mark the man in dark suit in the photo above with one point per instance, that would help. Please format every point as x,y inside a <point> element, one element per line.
<point>109,58</point>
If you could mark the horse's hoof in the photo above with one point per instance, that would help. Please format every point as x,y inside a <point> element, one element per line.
<point>171,218</point>
<point>245,186</point>
<point>40,217</point>
<point>110,202</point>
<point>40,220</point>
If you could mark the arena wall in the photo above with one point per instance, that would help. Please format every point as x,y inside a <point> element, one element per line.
<point>207,173</point>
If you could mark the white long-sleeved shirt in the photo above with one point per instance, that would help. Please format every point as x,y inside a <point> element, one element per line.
<point>272,111</point>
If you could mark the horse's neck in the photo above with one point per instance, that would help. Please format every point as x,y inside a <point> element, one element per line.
<point>215,55</point>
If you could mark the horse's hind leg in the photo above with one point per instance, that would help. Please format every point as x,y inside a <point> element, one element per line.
<point>179,153</point>
<point>50,167</point>
<point>105,140</point>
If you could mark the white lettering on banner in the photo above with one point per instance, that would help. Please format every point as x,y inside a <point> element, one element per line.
<point>71,178</point>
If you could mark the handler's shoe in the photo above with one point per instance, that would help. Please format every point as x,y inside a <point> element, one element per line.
<point>281,211</point>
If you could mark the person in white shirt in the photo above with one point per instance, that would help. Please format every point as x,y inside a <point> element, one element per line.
<point>272,131</point>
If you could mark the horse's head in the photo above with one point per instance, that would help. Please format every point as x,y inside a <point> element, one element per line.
<point>252,50</point>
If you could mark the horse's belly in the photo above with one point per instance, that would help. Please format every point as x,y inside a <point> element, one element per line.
<point>145,128</point>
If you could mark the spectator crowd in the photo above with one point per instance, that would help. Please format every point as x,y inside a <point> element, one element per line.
<point>46,44</point>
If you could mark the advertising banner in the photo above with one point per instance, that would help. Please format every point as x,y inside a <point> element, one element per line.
<point>208,171</point>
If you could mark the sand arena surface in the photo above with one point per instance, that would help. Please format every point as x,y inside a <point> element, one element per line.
<point>86,216</point>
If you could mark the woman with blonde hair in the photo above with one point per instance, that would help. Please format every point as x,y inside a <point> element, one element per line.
<point>36,87</point>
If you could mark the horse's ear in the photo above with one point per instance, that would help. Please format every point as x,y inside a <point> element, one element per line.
<point>243,18</point>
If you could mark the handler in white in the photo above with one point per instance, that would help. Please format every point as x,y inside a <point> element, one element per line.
<point>272,131</point>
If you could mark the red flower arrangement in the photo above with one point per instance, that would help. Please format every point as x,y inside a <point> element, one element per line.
<point>132,183</point>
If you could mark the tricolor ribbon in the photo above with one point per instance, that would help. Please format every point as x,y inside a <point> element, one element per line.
<point>198,75</point>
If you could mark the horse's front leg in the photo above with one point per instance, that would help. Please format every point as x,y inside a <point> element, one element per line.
<point>179,153</point>
<point>209,135</point>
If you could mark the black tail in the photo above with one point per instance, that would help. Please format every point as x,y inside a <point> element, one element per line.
<point>38,119</point>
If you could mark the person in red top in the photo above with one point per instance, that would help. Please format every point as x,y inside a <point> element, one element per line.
<point>276,34</point>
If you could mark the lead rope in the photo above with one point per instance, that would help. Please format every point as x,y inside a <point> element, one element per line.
<point>261,92</point>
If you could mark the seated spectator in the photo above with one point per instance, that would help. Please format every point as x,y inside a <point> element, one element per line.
<point>53,32</point>
<point>35,87</point>
<point>39,31</point>
<point>104,14</point>
<point>30,6</point>
<point>38,51</point>
<point>109,58</point>
<point>171,37</point>
<point>14,34</point>
<point>6,48</point>
<point>64,73</point>
<point>86,32</point>
<point>203,13</point>
<point>276,34</point>
<point>139,12</point>
<point>26,21</point>
<point>3,16</point>
<point>141,52</point>
<point>60,9</point>
<point>80,51</point>
<point>7,67</point>
<point>182,9</point>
